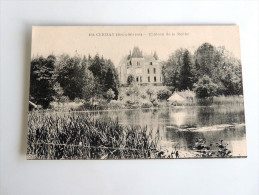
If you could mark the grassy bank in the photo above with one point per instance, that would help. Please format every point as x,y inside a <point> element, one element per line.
<point>75,136</point>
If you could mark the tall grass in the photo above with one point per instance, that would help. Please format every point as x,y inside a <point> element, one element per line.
<point>77,136</point>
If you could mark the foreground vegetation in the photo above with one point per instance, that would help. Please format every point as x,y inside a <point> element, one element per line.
<point>74,136</point>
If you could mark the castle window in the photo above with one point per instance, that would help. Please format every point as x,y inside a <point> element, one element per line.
<point>150,63</point>
<point>137,79</point>
<point>154,70</point>
<point>141,79</point>
<point>154,79</point>
<point>148,78</point>
<point>130,63</point>
<point>138,63</point>
<point>148,70</point>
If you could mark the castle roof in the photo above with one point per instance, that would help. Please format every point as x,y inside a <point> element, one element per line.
<point>149,58</point>
<point>137,53</point>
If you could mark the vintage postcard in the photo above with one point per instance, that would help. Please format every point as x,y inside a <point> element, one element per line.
<point>136,92</point>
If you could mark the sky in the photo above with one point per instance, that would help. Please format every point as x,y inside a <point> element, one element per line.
<point>114,42</point>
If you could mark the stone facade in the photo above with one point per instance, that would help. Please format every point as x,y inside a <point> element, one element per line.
<point>146,69</point>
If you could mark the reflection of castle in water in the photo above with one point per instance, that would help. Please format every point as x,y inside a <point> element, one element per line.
<point>146,69</point>
<point>183,116</point>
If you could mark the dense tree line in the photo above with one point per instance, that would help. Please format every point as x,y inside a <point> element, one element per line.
<point>67,78</point>
<point>42,80</point>
<point>209,71</point>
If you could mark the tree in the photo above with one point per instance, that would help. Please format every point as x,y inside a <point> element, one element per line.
<point>110,95</point>
<point>133,90</point>
<point>105,74</point>
<point>111,79</point>
<point>84,63</point>
<point>205,59</point>
<point>130,79</point>
<point>97,67</point>
<point>58,91</point>
<point>186,76</point>
<point>163,94</point>
<point>182,69</point>
<point>171,70</point>
<point>90,86</point>
<point>150,92</point>
<point>70,77</point>
<point>42,79</point>
<point>205,87</point>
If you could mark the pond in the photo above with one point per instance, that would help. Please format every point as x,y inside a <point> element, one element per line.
<point>180,126</point>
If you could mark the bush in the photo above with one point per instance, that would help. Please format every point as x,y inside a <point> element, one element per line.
<point>128,92</point>
<point>121,97</point>
<point>146,105</point>
<point>115,104</point>
<point>150,92</point>
<point>110,95</point>
<point>129,102</point>
<point>130,79</point>
<point>205,87</point>
<point>64,99</point>
<point>143,96</point>
<point>77,100</point>
<point>163,94</point>
<point>155,103</point>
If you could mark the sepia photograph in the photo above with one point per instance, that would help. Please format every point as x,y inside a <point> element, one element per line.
<point>135,92</point>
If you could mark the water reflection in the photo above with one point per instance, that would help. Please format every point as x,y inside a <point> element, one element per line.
<point>194,122</point>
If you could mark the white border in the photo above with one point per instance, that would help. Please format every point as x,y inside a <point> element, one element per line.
<point>203,177</point>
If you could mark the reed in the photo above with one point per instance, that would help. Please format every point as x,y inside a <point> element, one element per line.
<point>223,100</point>
<point>81,136</point>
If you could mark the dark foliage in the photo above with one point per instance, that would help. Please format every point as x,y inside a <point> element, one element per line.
<point>105,74</point>
<point>71,78</point>
<point>186,75</point>
<point>205,87</point>
<point>163,94</point>
<point>130,79</point>
<point>184,71</point>
<point>42,79</point>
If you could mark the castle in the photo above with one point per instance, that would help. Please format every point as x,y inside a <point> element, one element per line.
<point>145,69</point>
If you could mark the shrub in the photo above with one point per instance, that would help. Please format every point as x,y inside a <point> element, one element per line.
<point>150,92</point>
<point>163,94</point>
<point>146,105</point>
<point>115,104</point>
<point>77,100</point>
<point>64,99</point>
<point>143,96</point>
<point>130,79</point>
<point>205,87</point>
<point>155,102</point>
<point>110,95</point>
<point>121,97</point>
<point>129,102</point>
<point>128,92</point>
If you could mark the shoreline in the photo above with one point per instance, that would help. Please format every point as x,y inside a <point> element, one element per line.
<point>125,109</point>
